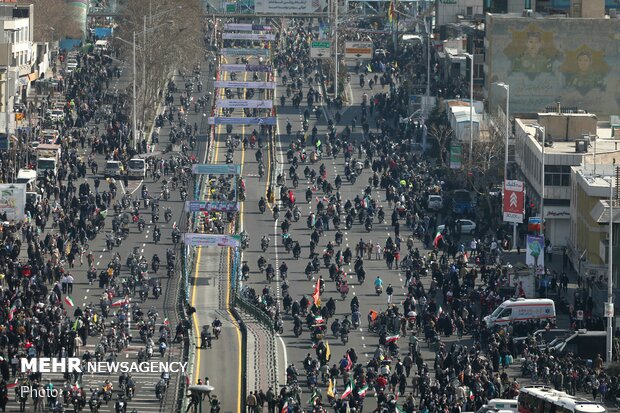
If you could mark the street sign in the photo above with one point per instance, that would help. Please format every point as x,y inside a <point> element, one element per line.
<point>216,169</point>
<point>241,121</point>
<point>211,240</point>
<point>609,310</point>
<point>456,156</point>
<point>257,52</point>
<point>358,50</point>
<point>231,7</point>
<point>320,50</point>
<point>579,315</point>
<point>289,7</point>
<point>247,27</point>
<point>514,201</point>
<point>211,206</point>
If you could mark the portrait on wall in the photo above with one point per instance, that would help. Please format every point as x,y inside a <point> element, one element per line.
<point>585,69</point>
<point>532,51</point>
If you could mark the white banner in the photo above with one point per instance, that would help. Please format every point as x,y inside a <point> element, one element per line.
<point>257,52</point>
<point>286,7</point>
<point>248,36</point>
<point>247,27</point>
<point>244,68</point>
<point>243,103</point>
<point>211,240</point>
<point>249,85</point>
<point>358,50</point>
<point>13,201</point>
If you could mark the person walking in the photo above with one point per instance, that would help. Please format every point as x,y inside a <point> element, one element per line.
<point>251,403</point>
<point>389,291</point>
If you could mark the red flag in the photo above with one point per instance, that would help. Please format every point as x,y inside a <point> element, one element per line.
<point>349,363</point>
<point>316,295</point>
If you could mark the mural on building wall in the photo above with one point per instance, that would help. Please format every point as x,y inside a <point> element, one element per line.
<point>531,51</point>
<point>543,63</point>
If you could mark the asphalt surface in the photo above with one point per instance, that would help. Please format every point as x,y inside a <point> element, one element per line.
<point>210,295</point>
<point>83,294</point>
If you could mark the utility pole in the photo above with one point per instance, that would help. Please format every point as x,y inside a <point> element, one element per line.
<point>335,2</point>
<point>609,306</point>
<point>471,112</point>
<point>135,98</point>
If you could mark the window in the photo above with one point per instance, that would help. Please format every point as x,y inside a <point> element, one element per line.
<point>506,313</point>
<point>470,11</point>
<point>557,175</point>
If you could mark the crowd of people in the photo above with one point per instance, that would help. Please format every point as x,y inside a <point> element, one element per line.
<point>449,287</point>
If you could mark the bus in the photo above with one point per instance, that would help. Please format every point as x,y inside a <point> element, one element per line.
<point>542,399</point>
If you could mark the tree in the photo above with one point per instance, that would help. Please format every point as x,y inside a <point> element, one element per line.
<point>487,162</point>
<point>52,20</point>
<point>173,41</point>
<point>442,133</point>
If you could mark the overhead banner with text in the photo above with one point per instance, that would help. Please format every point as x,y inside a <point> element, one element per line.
<point>211,206</point>
<point>216,169</point>
<point>245,52</point>
<point>249,85</point>
<point>246,68</point>
<point>358,50</point>
<point>211,240</point>
<point>244,104</point>
<point>241,121</point>
<point>249,36</point>
<point>247,27</point>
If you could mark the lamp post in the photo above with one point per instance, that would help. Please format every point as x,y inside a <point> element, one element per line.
<point>507,87</point>
<point>471,109</point>
<point>9,50</point>
<point>610,276</point>
<point>542,181</point>
<point>52,45</point>
<point>335,2</point>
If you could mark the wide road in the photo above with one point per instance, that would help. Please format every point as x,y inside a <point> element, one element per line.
<point>85,293</point>
<point>294,350</point>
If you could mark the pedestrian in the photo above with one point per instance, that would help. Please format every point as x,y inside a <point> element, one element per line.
<point>70,283</point>
<point>389,291</point>
<point>378,251</point>
<point>64,283</point>
<point>251,403</point>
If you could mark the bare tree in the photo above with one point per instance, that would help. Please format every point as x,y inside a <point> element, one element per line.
<point>487,162</point>
<point>442,133</point>
<point>173,40</point>
<point>52,20</point>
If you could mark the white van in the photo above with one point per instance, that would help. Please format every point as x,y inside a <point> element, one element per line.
<point>500,405</point>
<point>136,167</point>
<point>521,309</point>
<point>28,177</point>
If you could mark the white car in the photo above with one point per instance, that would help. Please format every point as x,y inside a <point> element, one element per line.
<point>434,202</point>
<point>57,115</point>
<point>467,226</point>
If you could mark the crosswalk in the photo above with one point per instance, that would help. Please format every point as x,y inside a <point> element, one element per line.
<point>144,399</point>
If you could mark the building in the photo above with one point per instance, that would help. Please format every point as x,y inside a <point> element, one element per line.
<point>453,11</point>
<point>592,186</point>
<point>550,57</point>
<point>16,53</point>
<point>570,140</point>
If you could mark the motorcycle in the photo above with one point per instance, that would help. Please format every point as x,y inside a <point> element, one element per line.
<point>264,245</point>
<point>378,289</point>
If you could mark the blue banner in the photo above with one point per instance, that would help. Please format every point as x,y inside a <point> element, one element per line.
<point>245,52</point>
<point>219,169</point>
<point>241,121</point>
<point>211,206</point>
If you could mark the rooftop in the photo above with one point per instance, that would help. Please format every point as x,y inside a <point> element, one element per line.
<point>603,144</point>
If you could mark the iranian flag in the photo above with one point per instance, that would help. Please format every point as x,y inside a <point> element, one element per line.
<point>12,312</point>
<point>69,301</point>
<point>391,339</point>
<point>349,365</point>
<point>319,319</point>
<point>439,311</point>
<point>314,397</point>
<point>347,390</point>
<point>466,257</point>
<point>399,409</point>
<point>285,408</point>
<point>438,237</point>
<point>362,392</point>
<point>166,321</point>
<point>316,295</point>
<point>120,303</point>
<point>12,385</point>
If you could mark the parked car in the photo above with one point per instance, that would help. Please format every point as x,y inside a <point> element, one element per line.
<point>467,226</point>
<point>434,202</point>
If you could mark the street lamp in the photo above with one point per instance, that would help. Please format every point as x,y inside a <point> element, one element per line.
<point>471,108</point>
<point>9,50</point>
<point>609,306</point>
<point>507,88</point>
<point>52,45</point>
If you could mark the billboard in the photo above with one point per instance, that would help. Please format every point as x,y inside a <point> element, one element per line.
<point>244,103</point>
<point>358,50</point>
<point>13,201</point>
<point>456,156</point>
<point>514,201</point>
<point>247,27</point>
<point>573,61</point>
<point>286,7</point>
<point>535,255</point>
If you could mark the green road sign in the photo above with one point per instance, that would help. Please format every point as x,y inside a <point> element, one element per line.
<point>321,45</point>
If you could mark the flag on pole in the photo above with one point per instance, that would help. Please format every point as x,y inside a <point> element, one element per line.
<point>12,311</point>
<point>466,256</point>
<point>120,303</point>
<point>391,11</point>
<point>285,408</point>
<point>328,353</point>
<point>362,392</point>
<point>438,238</point>
<point>76,324</point>
<point>347,390</point>
<point>439,311</point>
<point>349,365</point>
<point>314,397</point>
<point>316,295</point>
<point>166,321</point>
<point>399,409</point>
<point>330,389</point>
<point>391,339</point>
<point>12,385</point>
<point>69,301</point>
<point>319,319</point>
